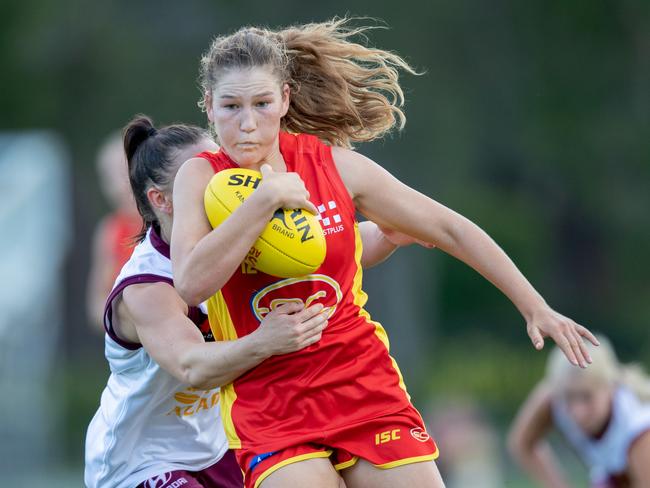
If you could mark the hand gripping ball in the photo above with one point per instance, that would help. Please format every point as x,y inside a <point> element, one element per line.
<point>292,244</point>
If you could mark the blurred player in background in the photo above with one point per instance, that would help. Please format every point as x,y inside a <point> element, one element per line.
<point>113,236</point>
<point>602,412</point>
<point>470,442</point>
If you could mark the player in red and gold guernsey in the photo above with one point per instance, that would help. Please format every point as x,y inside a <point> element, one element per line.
<point>290,103</point>
<point>113,235</point>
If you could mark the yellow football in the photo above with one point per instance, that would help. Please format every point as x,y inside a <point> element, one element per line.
<point>292,244</point>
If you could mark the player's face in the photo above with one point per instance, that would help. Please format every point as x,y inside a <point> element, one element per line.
<point>246,107</point>
<point>589,403</point>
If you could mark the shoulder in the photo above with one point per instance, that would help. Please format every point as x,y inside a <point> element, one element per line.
<point>538,405</point>
<point>532,421</point>
<point>195,172</point>
<point>153,297</point>
<point>359,173</point>
<point>302,144</point>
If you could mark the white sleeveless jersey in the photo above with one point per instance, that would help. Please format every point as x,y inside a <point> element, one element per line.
<point>607,456</point>
<point>148,422</point>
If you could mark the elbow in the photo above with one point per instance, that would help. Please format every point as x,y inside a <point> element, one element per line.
<point>456,231</point>
<point>188,294</point>
<point>197,286</point>
<point>190,290</point>
<point>197,379</point>
<point>204,384</point>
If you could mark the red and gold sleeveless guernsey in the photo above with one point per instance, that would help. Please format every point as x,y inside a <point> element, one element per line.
<point>347,378</point>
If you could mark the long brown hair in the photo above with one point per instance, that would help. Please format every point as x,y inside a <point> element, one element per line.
<point>341,91</point>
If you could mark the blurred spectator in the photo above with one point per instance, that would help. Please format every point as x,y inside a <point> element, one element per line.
<point>113,235</point>
<point>469,448</point>
<point>603,412</point>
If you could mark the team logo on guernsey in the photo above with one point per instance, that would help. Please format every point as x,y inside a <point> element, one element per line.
<point>330,218</point>
<point>193,400</point>
<point>419,434</point>
<point>322,289</point>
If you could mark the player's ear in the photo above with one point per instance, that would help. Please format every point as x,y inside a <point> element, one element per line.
<point>159,200</point>
<point>286,98</point>
<point>207,103</point>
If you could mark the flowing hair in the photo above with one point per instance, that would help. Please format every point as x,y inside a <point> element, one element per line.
<point>342,90</point>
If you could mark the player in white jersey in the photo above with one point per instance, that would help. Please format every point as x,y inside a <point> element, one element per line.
<point>158,424</point>
<point>602,412</point>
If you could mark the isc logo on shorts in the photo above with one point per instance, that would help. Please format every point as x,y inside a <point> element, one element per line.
<point>387,436</point>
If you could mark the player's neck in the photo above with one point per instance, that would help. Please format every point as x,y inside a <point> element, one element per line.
<point>166,230</point>
<point>274,159</point>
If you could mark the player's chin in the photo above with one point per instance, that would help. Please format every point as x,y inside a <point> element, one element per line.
<point>248,157</point>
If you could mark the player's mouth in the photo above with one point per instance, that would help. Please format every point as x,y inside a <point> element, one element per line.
<point>247,145</point>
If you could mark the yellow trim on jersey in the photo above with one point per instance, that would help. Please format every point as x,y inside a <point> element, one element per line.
<point>223,329</point>
<point>346,464</point>
<point>403,462</point>
<point>360,299</point>
<point>291,460</point>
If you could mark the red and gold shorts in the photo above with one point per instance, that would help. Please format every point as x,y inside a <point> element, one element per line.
<point>386,442</point>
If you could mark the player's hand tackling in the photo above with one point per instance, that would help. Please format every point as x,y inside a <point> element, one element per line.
<point>291,327</point>
<point>286,190</point>
<point>568,335</point>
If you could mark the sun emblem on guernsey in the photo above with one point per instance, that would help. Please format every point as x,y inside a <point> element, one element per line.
<point>320,289</point>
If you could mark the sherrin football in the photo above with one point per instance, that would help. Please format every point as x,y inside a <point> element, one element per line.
<point>292,244</point>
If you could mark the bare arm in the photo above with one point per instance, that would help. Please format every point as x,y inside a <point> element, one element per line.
<point>203,259</point>
<point>378,244</point>
<point>376,248</point>
<point>406,210</point>
<point>155,315</point>
<point>527,444</point>
<point>638,457</point>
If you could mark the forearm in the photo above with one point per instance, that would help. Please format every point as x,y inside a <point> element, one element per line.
<point>213,364</point>
<point>538,461</point>
<point>213,260</point>
<point>376,248</point>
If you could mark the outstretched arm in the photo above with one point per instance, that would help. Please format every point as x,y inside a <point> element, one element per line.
<point>527,444</point>
<point>154,315</point>
<point>388,202</point>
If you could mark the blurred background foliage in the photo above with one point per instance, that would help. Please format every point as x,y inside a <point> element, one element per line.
<point>531,118</point>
